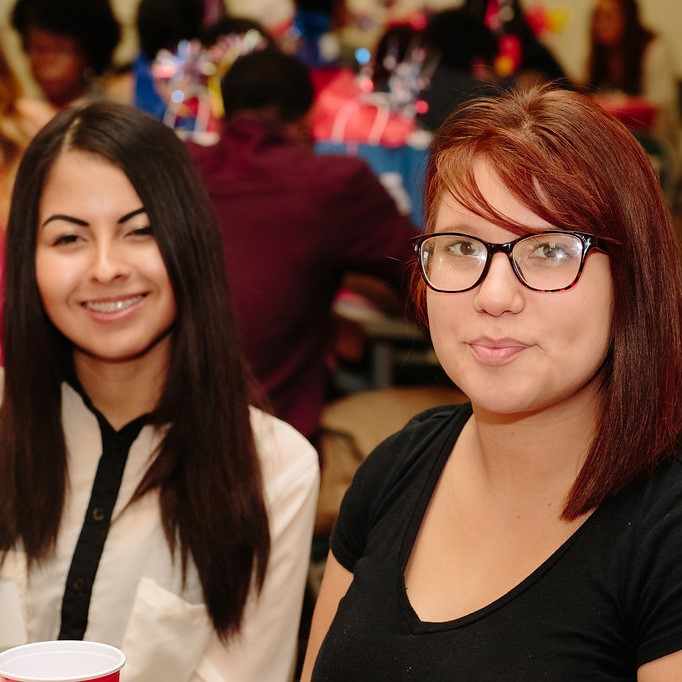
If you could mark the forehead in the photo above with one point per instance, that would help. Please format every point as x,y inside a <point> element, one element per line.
<point>42,37</point>
<point>608,9</point>
<point>485,198</point>
<point>80,180</point>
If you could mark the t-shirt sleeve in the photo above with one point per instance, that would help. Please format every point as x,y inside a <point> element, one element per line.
<point>656,585</point>
<point>424,435</point>
<point>354,520</point>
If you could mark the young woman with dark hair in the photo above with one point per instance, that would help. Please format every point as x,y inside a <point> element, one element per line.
<point>535,533</point>
<point>143,503</point>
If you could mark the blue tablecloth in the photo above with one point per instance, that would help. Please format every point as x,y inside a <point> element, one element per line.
<point>408,162</point>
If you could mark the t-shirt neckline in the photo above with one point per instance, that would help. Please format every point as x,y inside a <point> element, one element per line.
<point>414,622</point>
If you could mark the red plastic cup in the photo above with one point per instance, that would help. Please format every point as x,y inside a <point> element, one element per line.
<point>61,661</point>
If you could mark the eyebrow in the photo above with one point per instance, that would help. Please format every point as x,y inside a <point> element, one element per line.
<point>83,223</point>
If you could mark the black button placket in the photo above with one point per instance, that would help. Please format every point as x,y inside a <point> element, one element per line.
<point>93,535</point>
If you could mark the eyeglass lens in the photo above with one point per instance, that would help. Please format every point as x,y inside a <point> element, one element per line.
<point>547,261</point>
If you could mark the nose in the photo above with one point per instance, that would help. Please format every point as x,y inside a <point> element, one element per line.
<point>108,263</point>
<point>500,291</point>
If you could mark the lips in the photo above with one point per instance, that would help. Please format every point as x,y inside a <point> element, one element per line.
<point>496,351</point>
<point>112,305</point>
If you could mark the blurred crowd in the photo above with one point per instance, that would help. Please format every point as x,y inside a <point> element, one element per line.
<point>394,92</point>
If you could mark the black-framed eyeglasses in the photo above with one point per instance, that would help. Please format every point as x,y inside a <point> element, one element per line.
<point>453,262</point>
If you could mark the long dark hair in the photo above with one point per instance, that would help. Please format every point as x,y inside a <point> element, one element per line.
<point>632,47</point>
<point>578,168</point>
<point>206,470</point>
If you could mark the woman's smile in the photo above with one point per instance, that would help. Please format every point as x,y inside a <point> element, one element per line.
<point>113,305</point>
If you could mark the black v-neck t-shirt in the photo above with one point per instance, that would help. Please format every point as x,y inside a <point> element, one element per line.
<point>607,601</point>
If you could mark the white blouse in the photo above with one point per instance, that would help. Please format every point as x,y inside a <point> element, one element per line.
<point>138,601</point>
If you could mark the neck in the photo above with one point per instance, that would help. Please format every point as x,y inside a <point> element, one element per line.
<point>534,456</point>
<point>123,391</point>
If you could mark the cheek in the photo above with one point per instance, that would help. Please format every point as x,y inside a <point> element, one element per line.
<point>55,280</point>
<point>447,315</point>
<point>155,271</point>
<point>585,333</point>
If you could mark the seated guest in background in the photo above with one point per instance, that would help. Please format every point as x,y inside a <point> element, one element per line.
<point>160,24</point>
<point>293,223</point>
<point>536,532</point>
<point>20,120</point>
<point>532,60</point>
<point>144,503</point>
<point>462,49</point>
<point>69,45</point>
<point>626,58</point>
<point>396,44</point>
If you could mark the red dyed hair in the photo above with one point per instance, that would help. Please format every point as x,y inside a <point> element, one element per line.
<point>578,168</point>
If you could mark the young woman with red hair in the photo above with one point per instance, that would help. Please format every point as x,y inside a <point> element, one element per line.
<point>535,533</point>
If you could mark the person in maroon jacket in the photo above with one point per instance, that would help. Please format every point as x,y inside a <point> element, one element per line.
<point>294,224</point>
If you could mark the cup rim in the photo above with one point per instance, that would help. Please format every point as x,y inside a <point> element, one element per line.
<point>116,656</point>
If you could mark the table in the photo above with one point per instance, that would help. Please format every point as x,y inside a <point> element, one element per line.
<point>393,341</point>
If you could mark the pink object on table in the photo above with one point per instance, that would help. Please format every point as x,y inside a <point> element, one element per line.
<point>61,661</point>
<point>343,113</point>
<point>634,112</point>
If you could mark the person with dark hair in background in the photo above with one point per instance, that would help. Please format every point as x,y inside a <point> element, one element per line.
<point>293,223</point>
<point>507,20</point>
<point>20,120</point>
<point>69,45</point>
<point>397,43</point>
<point>161,25</point>
<point>462,50</point>
<point>534,533</point>
<point>626,59</point>
<point>144,503</point>
<point>621,49</point>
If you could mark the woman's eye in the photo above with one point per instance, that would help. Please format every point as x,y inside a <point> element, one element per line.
<point>142,232</point>
<point>464,248</point>
<point>550,252</point>
<point>66,239</point>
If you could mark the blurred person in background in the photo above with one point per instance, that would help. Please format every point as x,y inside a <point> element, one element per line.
<point>293,223</point>
<point>161,24</point>
<point>20,120</point>
<point>395,45</point>
<point>463,49</point>
<point>626,59</point>
<point>69,45</point>
<point>528,59</point>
